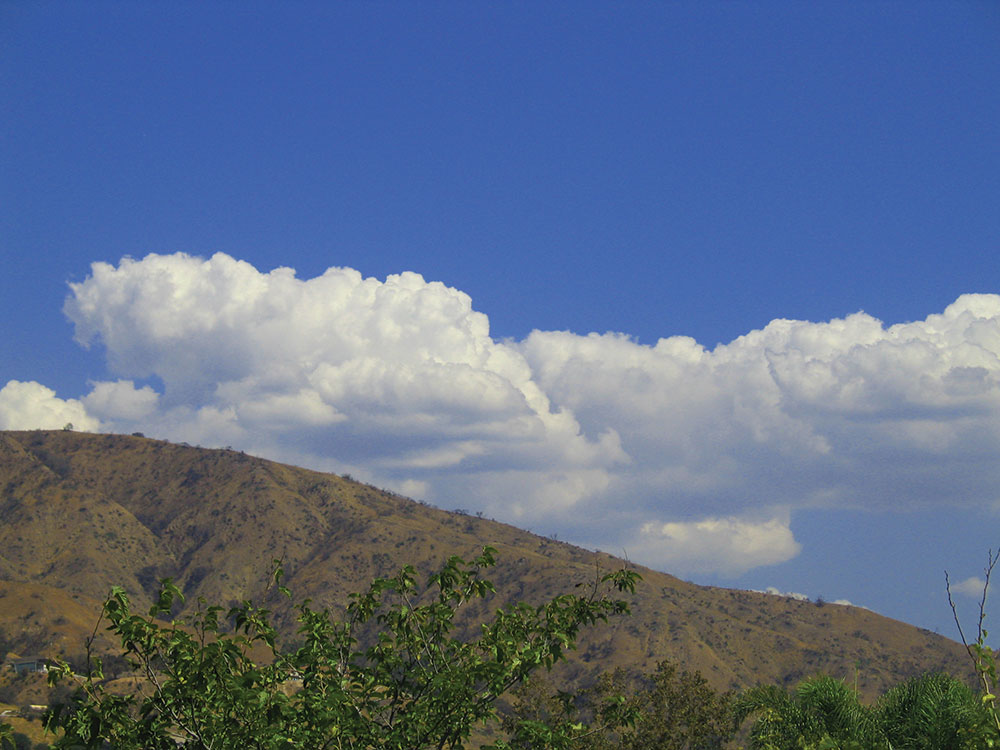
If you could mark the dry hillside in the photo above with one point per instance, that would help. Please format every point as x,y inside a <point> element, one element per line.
<point>81,512</point>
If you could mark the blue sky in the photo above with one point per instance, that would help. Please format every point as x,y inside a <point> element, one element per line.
<point>599,269</point>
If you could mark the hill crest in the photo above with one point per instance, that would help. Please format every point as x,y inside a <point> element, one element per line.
<point>81,512</point>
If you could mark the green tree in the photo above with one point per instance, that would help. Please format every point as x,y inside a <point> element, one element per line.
<point>588,719</point>
<point>13,740</point>
<point>932,712</point>
<point>679,711</point>
<point>393,674</point>
<point>665,710</point>
<point>820,708</point>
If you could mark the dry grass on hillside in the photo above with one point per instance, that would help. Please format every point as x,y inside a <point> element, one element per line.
<point>82,512</point>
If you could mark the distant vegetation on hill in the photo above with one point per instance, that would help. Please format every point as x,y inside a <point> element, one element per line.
<point>82,512</point>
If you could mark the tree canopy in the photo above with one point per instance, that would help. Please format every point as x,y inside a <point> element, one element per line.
<point>392,674</point>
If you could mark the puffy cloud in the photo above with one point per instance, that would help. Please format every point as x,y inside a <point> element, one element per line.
<point>400,376</point>
<point>729,546</point>
<point>31,406</point>
<point>846,412</point>
<point>121,400</point>
<point>687,458</point>
<point>972,587</point>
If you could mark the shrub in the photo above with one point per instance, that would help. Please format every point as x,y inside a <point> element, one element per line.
<point>413,684</point>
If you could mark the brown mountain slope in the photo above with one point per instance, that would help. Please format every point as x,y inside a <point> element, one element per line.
<point>81,512</point>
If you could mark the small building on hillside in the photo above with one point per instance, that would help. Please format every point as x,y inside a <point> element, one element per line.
<point>27,664</point>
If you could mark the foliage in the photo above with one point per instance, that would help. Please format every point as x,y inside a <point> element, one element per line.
<point>665,710</point>
<point>543,717</point>
<point>393,674</point>
<point>679,711</point>
<point>932,712</point>
<point>11,740</point>
<point>983,658</point>
<point>820,708</point>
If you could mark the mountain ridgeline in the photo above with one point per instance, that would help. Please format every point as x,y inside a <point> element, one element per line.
<point>82,512</point>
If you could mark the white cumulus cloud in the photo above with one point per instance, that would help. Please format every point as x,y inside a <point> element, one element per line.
<point>33,406</point>
<point>846,412</point>
<point>121,400</point>
<point>730,546</point>
<point>687,458</point>
<point>400,376</point>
